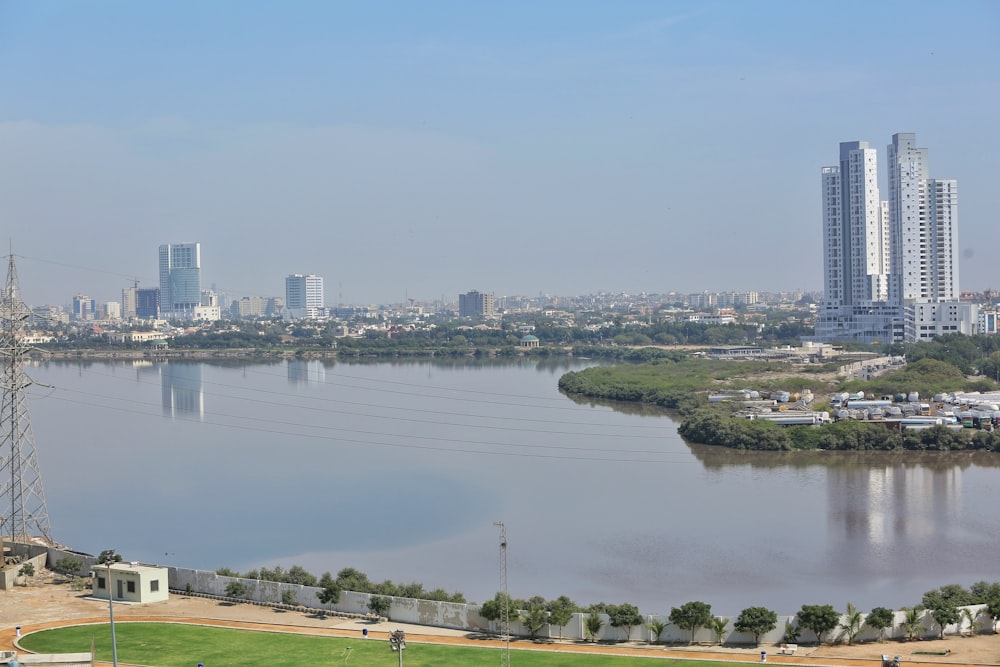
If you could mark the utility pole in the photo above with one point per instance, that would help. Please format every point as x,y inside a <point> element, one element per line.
<point>505,611</point>
<point>23,513</point>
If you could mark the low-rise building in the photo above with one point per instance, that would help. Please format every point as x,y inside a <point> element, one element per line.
<point>130,582</point>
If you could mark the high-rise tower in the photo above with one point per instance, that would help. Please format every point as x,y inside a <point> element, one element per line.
<point>180,279</point>
<point>923,216</point>
<point>890,267</point>
<point>475,304</point>
<point>304,295</point>
<point>855,231</point>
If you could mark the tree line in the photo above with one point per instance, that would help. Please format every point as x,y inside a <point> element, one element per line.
<point>708,426</point>
<point>347,579</point>
<point>940,605</point>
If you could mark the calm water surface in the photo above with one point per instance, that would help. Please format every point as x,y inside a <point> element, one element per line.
<point>400,470</point>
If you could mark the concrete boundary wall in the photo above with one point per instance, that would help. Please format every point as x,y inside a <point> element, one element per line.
<point>466,617</point>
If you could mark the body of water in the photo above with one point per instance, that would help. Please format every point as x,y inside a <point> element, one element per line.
<point>401,469</point>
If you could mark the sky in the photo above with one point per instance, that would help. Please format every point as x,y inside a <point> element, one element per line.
<point>424,149</point>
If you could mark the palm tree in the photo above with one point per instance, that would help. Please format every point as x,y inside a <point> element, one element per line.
<point>967,615</point>
<point>853,625</point>
<point>594,623</point>
<point>718,627</point>
<point>656,627</point>
<point>911,624</point>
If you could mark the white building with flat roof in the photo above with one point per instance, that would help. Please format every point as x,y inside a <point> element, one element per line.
<point>130,582</point>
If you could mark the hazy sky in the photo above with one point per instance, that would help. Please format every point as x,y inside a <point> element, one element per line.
<point>429,148</point>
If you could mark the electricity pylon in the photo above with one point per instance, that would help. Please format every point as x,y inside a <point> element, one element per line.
<point>23,514</point>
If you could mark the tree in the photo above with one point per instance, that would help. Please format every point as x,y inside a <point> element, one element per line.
<point>993,609</point>
<point>624,617</point>
<point>27,571</point>
<point>69,565</point>
<point>288,597</point>
<point>945,615</point>
<point>756,621</point>
<point>298,575</point>
<point>718,627</point>
<point>880,618</point>
<point>656,627</point>
<point>109,556</point>
<point>561,610</point>
<point>593,624</point>
<point>968,617</point>
<point>792,633</point>
<point>911,622</point>
<point>379,605</point>
<point>952,595</point>
<point>493,610</point>
<point>236,589</point>
<point>690,616</point>
<point>820,618</point>
<point>534,619</point>
<point>983,591</point>
<point>350,579</point>
<point>329,591</point>
<point>852,624</point>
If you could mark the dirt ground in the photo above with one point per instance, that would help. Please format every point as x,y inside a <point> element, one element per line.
<point>49,602</point>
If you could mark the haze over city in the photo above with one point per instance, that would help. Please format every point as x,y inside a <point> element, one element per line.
<point>426,149</point>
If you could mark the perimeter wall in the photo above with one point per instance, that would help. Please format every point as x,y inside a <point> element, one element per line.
<point>466,617</point>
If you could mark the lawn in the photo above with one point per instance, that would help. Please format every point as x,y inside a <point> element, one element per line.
<point>180,645</point>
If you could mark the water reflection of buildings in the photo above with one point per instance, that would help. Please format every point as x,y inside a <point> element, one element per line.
<point>181,393</point>
<point>301,372</point>
<point>884,504</point>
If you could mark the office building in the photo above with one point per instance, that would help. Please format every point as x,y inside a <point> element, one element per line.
<point>890,266</point>
<point>83,307</point>
<point>180,279</point>
<point>475,304</point>
<point>147,303</point>
<point>128,302</point>
<point>304,296</point>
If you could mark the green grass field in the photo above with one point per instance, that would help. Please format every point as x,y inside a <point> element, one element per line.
<point>179,645</point>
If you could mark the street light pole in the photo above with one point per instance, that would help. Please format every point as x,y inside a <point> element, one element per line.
<point>111,615</point>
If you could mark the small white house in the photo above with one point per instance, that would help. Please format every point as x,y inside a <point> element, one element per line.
<point>130,582</point>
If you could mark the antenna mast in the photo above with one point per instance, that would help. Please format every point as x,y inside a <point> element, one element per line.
<point>23,514</point>
<point>505,611</point>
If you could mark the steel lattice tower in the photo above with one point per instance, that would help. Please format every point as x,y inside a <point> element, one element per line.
<point>505,612</point>
<point>23,514</point>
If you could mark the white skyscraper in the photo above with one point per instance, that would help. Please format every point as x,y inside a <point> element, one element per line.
<point>924,219</point>
<point>890,268</point>
<point>855,231</point>
<point>304,296</point>
<point>856,250</point>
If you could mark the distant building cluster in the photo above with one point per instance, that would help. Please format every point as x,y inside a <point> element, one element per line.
<point>181,297</point>
<point>890,270</point>
<point>890,267</point>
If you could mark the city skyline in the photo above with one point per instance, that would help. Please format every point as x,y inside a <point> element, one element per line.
<point>523,149</point>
